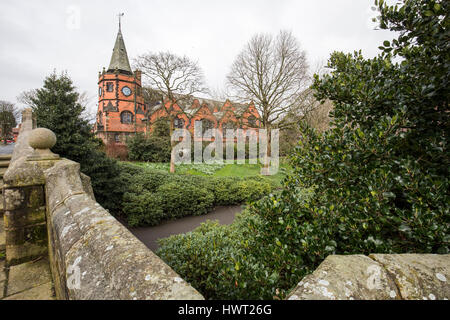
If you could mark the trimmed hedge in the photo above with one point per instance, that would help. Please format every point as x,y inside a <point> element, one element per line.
<point>153,196</point>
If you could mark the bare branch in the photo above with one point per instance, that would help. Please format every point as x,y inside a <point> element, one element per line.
<point>272,72</point>
<point>9,115</point>
<point>171,74</point>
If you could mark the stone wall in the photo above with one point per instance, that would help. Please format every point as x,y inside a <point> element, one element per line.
<point>378,277</point>
<point>92,255</point>
<point>50,210</point>
<point>24,200</point>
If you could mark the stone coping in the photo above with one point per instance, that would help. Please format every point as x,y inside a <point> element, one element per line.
<point>378,277</point>
<point>93,256</point>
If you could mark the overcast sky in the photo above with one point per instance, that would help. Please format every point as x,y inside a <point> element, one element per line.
<point>39,36</point>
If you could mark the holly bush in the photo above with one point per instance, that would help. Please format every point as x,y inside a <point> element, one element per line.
<point>376,182</point>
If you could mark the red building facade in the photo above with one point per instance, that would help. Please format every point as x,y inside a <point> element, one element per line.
<point>122,110</point>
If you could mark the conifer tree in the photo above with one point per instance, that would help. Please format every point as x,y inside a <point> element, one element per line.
<point>57,108</point>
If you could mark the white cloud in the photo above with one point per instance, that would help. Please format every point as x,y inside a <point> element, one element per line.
<point>38,36</point>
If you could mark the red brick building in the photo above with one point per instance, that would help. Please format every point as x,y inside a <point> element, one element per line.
<point>122,110</point>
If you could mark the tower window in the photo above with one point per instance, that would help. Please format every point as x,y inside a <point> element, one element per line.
<point>109,86</point>
<point>117,137</point>
<point>126,117</point>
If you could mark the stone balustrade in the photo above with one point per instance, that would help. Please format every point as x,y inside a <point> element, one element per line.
<point>50,210</point>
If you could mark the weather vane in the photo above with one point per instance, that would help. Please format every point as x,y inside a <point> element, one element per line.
<point>120,15</point>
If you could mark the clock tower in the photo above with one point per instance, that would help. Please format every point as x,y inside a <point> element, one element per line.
<point>121,109</point>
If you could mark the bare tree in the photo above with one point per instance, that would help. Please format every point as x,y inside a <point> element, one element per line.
<point>8,119</point>
<point>90,109</point>
<point>26,97</point>
<point>271,71</point>
<point>175,77</point>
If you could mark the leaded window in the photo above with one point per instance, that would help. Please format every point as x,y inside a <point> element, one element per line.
<point>126,117</point>
<point>178,123</point>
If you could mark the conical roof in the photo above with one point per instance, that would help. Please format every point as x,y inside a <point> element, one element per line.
<point>119,59</point>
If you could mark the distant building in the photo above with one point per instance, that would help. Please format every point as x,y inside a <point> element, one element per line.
<point>123,111</point>
<point>15,132</point>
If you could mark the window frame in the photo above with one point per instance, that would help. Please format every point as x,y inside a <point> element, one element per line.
<point>128,113</point>
<point>109,85</point>
<point>176,123</point>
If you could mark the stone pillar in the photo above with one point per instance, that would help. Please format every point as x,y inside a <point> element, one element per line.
<point>24,193</point>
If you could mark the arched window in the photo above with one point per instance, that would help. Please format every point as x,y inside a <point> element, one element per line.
<point>207,124</point>
<point>252,121</point>
<point>126,117</point>
<point>178,123</point>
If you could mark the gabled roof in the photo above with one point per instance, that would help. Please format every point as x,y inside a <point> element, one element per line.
<point>191,105</point>
<point>119,58</point>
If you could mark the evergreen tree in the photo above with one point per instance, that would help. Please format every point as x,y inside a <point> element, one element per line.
<point>57,108</point>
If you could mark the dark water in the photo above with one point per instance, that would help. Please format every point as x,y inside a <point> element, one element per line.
<point>150,235</point>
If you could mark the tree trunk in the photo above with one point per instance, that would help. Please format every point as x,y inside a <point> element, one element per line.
<point>172,145</point>
<point>267,155</point>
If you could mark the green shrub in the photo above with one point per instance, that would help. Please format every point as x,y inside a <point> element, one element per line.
<point>151,149</point>
<point>143,208</point>
<point>216,260</point>
<point>185,199</point>
<point>105,174</point>
<point>152,195</point>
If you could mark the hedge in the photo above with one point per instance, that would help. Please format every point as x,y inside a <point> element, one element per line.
<point>152,196</point>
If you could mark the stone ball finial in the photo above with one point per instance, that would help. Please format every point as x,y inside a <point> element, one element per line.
<point>42,140</point>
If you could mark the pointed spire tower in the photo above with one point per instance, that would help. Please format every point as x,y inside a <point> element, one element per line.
<point>119,58</point>
<point>121,106</point>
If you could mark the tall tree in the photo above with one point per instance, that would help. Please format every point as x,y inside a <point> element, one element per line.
<point>56,106</point>
<point>8,117</point>
<point>174,76</point>
<point>272,72</point>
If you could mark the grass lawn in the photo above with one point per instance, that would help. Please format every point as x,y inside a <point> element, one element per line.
<point>227,169</point>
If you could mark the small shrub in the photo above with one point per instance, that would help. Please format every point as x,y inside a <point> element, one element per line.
<point>150,149</point>
<point>185,199</point>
